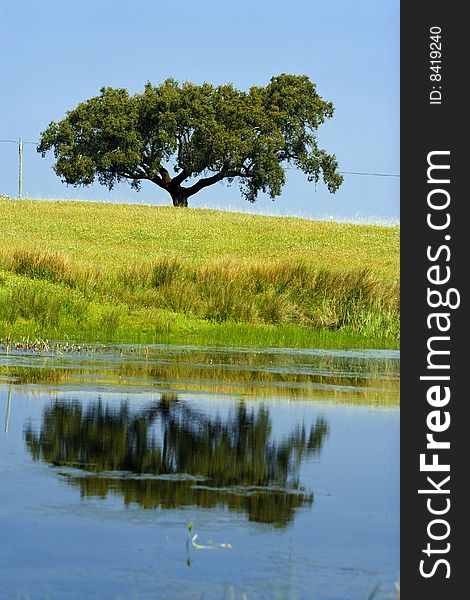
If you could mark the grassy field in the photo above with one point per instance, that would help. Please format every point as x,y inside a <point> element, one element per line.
<point>133,273</point>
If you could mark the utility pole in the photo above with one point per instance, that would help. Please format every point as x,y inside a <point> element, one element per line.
<point>20,172</point>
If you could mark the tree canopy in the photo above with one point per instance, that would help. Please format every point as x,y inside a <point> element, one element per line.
<point>203,133</point>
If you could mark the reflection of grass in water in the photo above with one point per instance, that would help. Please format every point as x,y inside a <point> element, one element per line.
<point>258,375</point>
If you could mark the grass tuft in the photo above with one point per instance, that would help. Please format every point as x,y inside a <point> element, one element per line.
<point>40,264</point>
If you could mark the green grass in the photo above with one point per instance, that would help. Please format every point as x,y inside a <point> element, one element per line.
<point>132,273</point>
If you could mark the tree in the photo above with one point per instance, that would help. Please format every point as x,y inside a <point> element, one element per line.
<point>205,133</point>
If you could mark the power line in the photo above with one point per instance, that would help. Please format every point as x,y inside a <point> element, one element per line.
<point>20,143</point>
<point>369,174</point>
<point>364,173</point>
<point>289,168</point>
<point>17,142</point>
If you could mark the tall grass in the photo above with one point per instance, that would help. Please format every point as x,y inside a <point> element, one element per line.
<point>282,292</point>
<point>115,272</point>
<point>39,264</point>
<point>41,303</point>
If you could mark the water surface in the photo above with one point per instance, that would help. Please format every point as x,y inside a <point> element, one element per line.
<point>284,464</point>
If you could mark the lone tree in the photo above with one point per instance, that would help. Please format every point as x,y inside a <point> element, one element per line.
<point>204,133</point>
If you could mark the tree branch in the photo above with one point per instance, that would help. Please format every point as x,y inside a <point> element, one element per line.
<point>166,180</point>
<point>158,181</point>
<point>202,183</point>
<point>178,179</point>
<point>141,174</point>
<point>165,175</point>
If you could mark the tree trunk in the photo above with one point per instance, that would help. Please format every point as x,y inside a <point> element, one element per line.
<point>178,195</point>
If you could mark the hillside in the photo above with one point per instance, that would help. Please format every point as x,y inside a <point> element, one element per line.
<point>127,272</point>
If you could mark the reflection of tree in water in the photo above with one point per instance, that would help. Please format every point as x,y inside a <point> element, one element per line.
<point>232,462</point>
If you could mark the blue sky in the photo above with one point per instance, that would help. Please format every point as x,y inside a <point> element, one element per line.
<point>57,53</point>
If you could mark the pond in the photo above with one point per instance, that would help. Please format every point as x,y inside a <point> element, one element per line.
<point>192,473</point>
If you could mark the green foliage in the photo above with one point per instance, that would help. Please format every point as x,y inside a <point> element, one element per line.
<point>207,133</point>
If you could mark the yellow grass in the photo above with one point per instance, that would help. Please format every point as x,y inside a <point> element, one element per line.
<point>114,235</point>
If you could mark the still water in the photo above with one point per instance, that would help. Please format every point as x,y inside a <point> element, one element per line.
<point>183,473</point>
